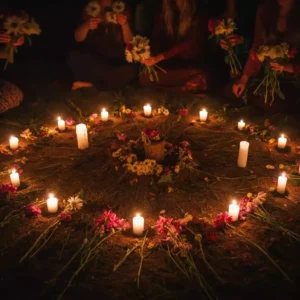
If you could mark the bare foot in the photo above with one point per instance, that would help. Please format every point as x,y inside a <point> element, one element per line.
<point>81,84</point>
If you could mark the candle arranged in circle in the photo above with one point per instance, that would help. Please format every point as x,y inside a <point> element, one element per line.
<point>138,224</point>
<point>14,143</point>
<point>52,204</point>
<point>82,136</point>
<point>147,110</point>
<point>282,142</point>
<point>234,211</point>
<point>281,186</point>
<point>203,115</point>
<point>61,124</point>
<point>243,154</point>
<point>104,115</point>
<point>15,178</point>
<point>241,125</point>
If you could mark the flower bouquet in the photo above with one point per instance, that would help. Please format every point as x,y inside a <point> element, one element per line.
<point>221,29</point>
<point>16,27</point>
<point>271,83</point>
<point>139,50</point>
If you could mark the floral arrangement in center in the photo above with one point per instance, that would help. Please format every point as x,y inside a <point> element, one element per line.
<point>280,54</point>
<point>17,27</point>
<point>222,29</point>
<point>139,50</point>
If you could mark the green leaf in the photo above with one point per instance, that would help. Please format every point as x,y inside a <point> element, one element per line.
<point>280,94</point>
<point>226,59</point>
<point>166,178</point>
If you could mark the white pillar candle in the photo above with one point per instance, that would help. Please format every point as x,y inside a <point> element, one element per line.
<point>147,110</point>
<point>138,225</point>
<point>15,178</point>
<point>104,115</point>
<point>82,136</point>
<point>243,154</point>
<point>282,142</point>
<point>234,211</point>
<point>281,186</point>
<point>14,143</point>
<point>203,115</point>
<point>241,125</point>
<point>61,124</point>
<point>52,204</point>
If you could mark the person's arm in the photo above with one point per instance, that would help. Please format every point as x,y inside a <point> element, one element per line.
<point>82,30</point>
<point>126,30</point>
<point>231,9</point>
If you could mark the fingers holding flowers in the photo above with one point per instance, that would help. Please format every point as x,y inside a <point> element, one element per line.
<point>122,19</point>
<point>232,40</point>
<point>153,60</point>
<point>6,38</point>
<point>280,68</point>
<point>93,23</point>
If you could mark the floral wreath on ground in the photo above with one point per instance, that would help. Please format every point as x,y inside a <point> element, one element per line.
<point>131,156</point>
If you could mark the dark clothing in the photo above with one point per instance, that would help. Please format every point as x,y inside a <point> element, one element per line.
<point>101,59</point>
<point>10,96</point>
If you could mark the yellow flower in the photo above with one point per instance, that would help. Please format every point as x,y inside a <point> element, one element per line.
<point>281,166</point>
<point>118,7</point>
<point>177,169</point>
<point>93,9</point>
<point>13,25</point>
<point>249,195</point>
<point>111,17</point>
<point>129,160</point>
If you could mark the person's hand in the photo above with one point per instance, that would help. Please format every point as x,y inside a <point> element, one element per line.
<point>93,23</point>
<point>233,39</point>
<point>280,68</point>
<point>122,19</point>
<point>153,60</point>
<point>6,38</point>
<point>238,87</point>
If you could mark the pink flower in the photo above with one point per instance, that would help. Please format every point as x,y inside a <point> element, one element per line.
<point>184,144</point>
<point>121,136</point>
<point>292,53</point>
<point>65,217</point>
<point>167,170</point>
<point>152,134</point>
<point>247,205</point>
<point>129,47</point>
<point>109,221</point>
<point>33,210</point>
<point>70,122</point>
<point>212,236</point>
<point>211,26</point>
<point>221,220</point>
<point>183,112</point>
<point>92,117</point>
<point>7,190</point>
<point>166,225</point>
<point>168,145</point>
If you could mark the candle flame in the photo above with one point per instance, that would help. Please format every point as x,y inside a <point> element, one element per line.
<point>234,202</point>
<point>59,118</point>
<point>50,195</point>
<point>283,175</point>
<point>138,215</point>
<point>13,171</point>
<point>282,136</point>
<point>147,105</point>
<point>103,110</point>
<point>242,121</point>
<point>204,110</point>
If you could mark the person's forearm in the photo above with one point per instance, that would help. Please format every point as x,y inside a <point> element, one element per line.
<point>81,32</point>
<point>127,33</point>
<point>231,9</point>
<point>2,55</point>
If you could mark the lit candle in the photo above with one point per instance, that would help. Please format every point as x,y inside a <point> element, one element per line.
<point>243,154</point>
<point>14,143</point>
<point>52,204</point>
<point>138,225</point>
<point>61,124</point>
<point>203,115</point>
<point>15,178</point>
<point>241,125</point>
<point>234,211</point>
<point>104,115</point>
<point>282,142</point>
<point>147,110</point>
<point>82,136</point>
<point>281,186</point>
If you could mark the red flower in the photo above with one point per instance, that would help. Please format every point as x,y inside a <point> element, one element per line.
<point>221,220</point>
<point>292,53</point>
<point>183,112</point>
<point>7,190</point>
<point>65,217</point>
<point>212,236</point>
<point>33,210</point>
<point>211,27</point>
<point>121,136</point>
<point>129,47</point>
<point>109,221</point>
<point>253,55</point>
<point>184,144</point>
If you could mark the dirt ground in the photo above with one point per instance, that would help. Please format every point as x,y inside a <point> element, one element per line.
<point>56,165</point>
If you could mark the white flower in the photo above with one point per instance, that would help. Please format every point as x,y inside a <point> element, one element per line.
<point>75,202</point>
<point>111,17</point>
<point>118,7</point>
<point>93,9</point>
<point>260,198</point>
<point>13,25</point>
